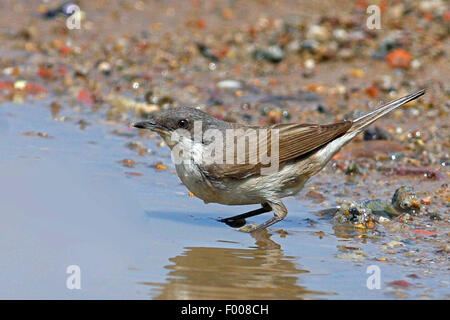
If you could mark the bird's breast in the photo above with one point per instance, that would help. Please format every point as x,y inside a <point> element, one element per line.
<point>287,181</point>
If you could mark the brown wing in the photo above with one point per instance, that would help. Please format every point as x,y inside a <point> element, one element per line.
<point>299,139</point>
<point>295,140</point>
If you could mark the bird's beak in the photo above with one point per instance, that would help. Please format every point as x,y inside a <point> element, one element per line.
<point>144,124</point>
<point>149,124</point>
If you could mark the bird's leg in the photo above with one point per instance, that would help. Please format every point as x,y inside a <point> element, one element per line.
<point>239,220</point>
<point>279,212</point>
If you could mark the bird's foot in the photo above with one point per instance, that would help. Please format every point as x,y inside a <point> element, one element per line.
<point>248,228</point>
<point>253,228</point>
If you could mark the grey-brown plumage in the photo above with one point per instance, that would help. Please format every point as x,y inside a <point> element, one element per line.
<point>303,150</point>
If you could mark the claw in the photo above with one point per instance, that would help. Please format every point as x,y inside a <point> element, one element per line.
<point>248,228</point>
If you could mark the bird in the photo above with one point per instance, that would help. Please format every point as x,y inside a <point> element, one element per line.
<point>300,151</point>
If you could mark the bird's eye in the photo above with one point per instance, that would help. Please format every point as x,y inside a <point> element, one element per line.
<point>183,124</point>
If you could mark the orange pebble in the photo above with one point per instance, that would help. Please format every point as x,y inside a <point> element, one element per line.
<point>447,16</point>
<point>373,91</point>
<point>201,24</point>
<point>399,59</point>
<point>370,224</point>
<point>160,166</point>
<point>65,50</point>
<point>45,73</point>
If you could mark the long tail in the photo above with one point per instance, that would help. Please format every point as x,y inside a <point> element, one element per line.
<point>361,123</point>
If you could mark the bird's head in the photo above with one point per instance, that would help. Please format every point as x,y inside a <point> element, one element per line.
<point>182,119</point>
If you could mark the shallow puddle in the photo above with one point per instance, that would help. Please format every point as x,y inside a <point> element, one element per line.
<point>66,199</point>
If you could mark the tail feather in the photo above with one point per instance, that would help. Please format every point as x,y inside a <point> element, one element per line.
<point>367,119</point>
<point>360,124</point>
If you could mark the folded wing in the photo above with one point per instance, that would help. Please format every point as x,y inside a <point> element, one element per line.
<point>295,140</point>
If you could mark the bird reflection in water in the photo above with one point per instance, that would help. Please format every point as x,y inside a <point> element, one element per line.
<point>261,272</point>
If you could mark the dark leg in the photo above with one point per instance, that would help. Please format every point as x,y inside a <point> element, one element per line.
<point>239,220</point>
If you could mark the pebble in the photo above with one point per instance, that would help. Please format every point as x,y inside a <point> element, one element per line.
<point>340,35</point>
<point>105,67</point>
<point>129,163</point>
<point>20,84</point>
<point>319,33</point>
<point>376,133</point>
<point>399,59</point>
<point>405,200</point>
<point>229,84</point>
<point>272,54</point>
<point>310,64</point>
